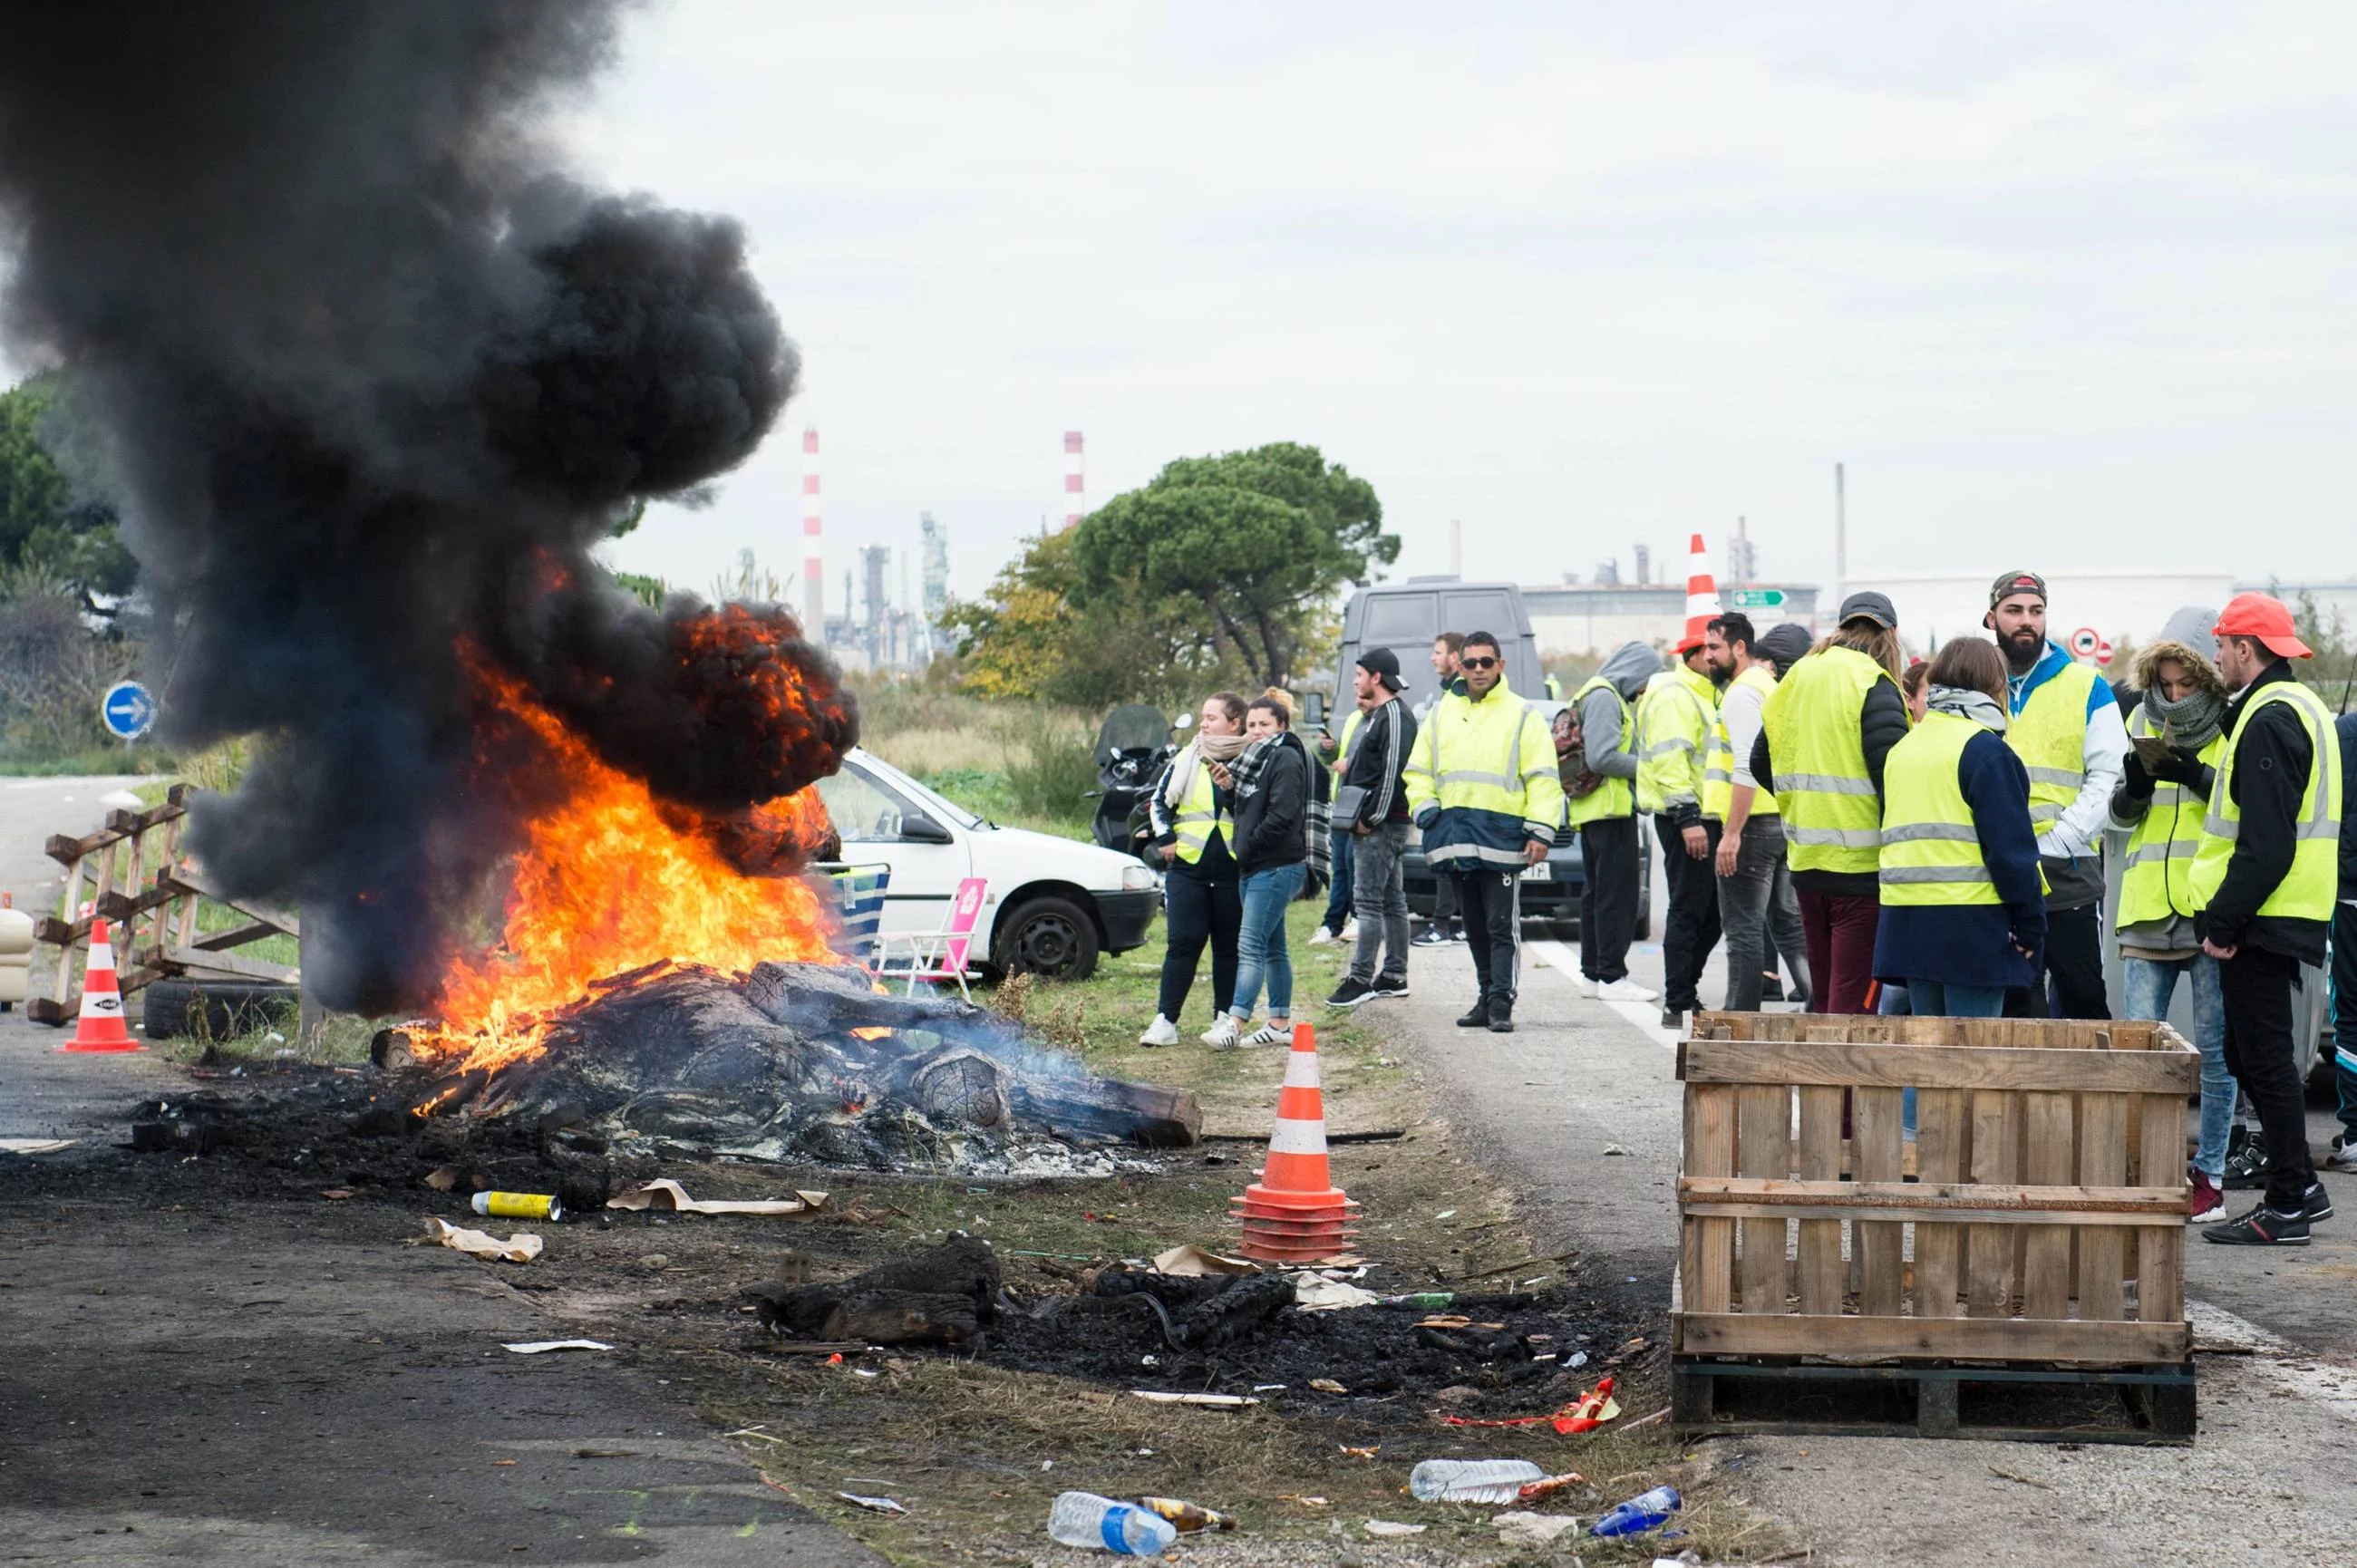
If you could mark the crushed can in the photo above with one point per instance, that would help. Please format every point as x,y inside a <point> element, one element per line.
<point>520,1206</point>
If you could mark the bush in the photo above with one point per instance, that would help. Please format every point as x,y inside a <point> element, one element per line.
<point>1049,770</point>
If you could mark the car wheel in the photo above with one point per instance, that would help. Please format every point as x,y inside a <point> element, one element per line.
<point>1050,936</point>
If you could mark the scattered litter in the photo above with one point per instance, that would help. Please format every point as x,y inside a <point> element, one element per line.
<point>1472,1480</point>
<point>1361,1453</point>
<point>1639,1514</point>
<point>34,1145</point>
<point>518,1206</point>
<point>1586,1413</point>
<point>541,1347</point>
<point>338,1194</point>
<point>1268,1388</point>
<point>1610,1149</point>
<point>442,1178</point>
<point>1328,1385</point>
<point>1214,1402</point>
<point>1307,1502</point>
<point>2024,1481</point>
<point>520,1248</point>
<point>1532,1529</point>
<point>1149,1360</point>
<point>1576,1360</point>
<point>1191,1261</point>
<point>664,1194</point>
<point>1445,1214</point>
<point>1422,1300</point>
<point>873,1505</point>
<point>1083,1519</point>
<point>1391,1529</point>
<point>1187,1518</point>
<point>1315,1292</point>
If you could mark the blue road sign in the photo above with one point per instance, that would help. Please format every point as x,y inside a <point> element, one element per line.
<point>128,710</point>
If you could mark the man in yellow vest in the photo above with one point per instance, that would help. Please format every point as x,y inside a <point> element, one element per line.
<point>2068,732</point>
<point>1675,720</point>
<point>2264,879</point>
<point>1611,866</point>
<point>1756,908</point>
<point>1483,790</point>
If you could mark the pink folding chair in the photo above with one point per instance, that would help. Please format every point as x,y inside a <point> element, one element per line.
<point>936,956</point>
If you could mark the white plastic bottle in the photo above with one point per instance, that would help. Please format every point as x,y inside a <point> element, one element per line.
<point>1083,1519</point>
<point>1472,1480</point>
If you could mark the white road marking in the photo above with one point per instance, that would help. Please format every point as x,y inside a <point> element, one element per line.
<point>1640,1015</point>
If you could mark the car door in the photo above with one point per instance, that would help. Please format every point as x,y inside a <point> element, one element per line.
<point>868,814</point>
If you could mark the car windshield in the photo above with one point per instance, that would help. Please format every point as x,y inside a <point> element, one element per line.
<point>939,805</point>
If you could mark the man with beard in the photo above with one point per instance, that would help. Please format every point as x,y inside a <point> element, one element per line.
<point>1675,721</point>
<point>1756,908</point>
<point>2068,732</point>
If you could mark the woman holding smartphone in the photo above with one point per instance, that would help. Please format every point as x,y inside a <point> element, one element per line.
<point>1270,783</point>
<point>1191,811</point>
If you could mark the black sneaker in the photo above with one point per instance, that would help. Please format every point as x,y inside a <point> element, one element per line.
<point>1476,1016</point>
<point>1432,937</point>
<point>1672,1018</point>
<point>2247,1167</point>
<point>1771,988</point>
<point>1501,1018</point>
<point>2262,1227</point>
<point>1350,993</point>
<point>1391,985</point>
<point>2318,1205</point>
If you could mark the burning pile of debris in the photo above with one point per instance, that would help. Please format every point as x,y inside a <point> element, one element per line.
<point>800,1062</point>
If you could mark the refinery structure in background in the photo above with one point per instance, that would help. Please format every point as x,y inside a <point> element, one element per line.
<point>1574,619</point>
<point>883,625</point>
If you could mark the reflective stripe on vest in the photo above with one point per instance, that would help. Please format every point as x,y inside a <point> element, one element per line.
<point>1614,796</point>
<point>2308,889</point>
<point>2157,882</point>
<point>1198,816</point>
<point>1673,726</point>
<point>1931,851</point>
<point>2049,735</point>
<point>1833,819</point>
<point>1718,777</point>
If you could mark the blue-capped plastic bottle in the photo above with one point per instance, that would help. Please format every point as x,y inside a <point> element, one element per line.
<point>1639,1515</point>
<point>1083,1519</point>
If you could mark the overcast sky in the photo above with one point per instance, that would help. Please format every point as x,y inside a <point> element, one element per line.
<point>2063,285</point>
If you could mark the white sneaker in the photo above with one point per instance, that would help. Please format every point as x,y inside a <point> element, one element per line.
<point>1625,990</point>
<point>1589,988</point>
<point>1269,1034</point>
<point>1322,938</point>
<point>1350,930</point>
<point>1221,1036</point>
<point>1161,1032</point>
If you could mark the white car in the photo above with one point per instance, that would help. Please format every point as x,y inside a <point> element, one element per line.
<point>1053,904</point>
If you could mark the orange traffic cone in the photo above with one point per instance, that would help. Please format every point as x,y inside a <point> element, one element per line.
<point>1295,1213</point>
<point>1702,595</point>
<point>101,1026</point>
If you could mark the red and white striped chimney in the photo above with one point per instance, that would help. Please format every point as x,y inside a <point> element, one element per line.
<point>1076,505</point>
<point>813,559</point>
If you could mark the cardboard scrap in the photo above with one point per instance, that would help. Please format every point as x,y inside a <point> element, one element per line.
<point>542,1347</point>
<point>1315,1292</point>
<point>1191,1261</point>
<point>520,1248</point>
<point>666,1195</point>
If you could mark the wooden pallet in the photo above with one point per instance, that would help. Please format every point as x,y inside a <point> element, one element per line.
<point>2017,1402</point>
<point>2046,1222</point>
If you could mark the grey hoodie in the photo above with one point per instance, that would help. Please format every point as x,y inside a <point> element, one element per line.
<point>1631,666</point>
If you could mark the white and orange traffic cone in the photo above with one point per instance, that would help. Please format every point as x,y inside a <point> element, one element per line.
<point>1295,1213</point>
<point>1702,595</point>
<point>101,1026</point>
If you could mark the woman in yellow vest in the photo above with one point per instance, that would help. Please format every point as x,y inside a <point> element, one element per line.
<point>1192,819</point>
<point>1963,915</point>
<point>2177,732</point>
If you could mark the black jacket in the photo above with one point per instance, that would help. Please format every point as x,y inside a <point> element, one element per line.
<point>1272,822</point>
<point>2272,760</point>
<point>1882,723</point>
<point>2347,727</point>
<point>1379,754</point>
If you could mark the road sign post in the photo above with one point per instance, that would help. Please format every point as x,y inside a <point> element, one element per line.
<point>128,711</point>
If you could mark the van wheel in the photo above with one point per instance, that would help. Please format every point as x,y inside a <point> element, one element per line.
<point>1047,936</point>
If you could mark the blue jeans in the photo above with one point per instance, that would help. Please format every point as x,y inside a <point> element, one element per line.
<point>1261,954</point>
<point>1938,999</point>
<point>2147,984</point>
<point>1343,876</point>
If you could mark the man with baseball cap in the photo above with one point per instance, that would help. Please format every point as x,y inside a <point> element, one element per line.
<point>1371,804</point>
<point>2068,732</point>
<point>2264,880</point>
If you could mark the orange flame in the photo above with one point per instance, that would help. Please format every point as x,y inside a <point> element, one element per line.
<point>611,880</point>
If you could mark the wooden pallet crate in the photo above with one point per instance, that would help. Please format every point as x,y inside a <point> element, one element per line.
<point>2044,1225</point>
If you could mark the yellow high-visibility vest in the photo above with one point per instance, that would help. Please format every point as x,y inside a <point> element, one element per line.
<point>1931,851</point>
<point>2308,889</point>
<point>1673,728</point>
<point>2159,881</point>
<point>1198,817</point>
<point>1718,774</point>
<point>2049,735</point>
<point>1342,742</point>
<point>1614,796</point>
<point>1833,819</point>
<point>1496,754</point>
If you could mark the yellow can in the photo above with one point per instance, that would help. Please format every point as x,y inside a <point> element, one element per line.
<point>519,1205</point>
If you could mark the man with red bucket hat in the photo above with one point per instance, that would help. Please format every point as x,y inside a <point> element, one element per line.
<point>2265,879</point>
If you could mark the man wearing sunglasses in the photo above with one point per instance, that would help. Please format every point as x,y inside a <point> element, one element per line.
<point>1483,790</point>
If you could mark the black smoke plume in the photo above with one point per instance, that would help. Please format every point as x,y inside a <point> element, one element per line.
<point>372,375</point>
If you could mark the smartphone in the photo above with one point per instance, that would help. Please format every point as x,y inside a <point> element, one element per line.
<point>1315,706</point>
<point>2152,749</point>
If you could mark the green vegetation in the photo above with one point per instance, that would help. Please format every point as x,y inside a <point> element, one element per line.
<point>45,520</point>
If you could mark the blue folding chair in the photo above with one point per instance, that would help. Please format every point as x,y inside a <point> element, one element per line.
<point>859,896</point>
